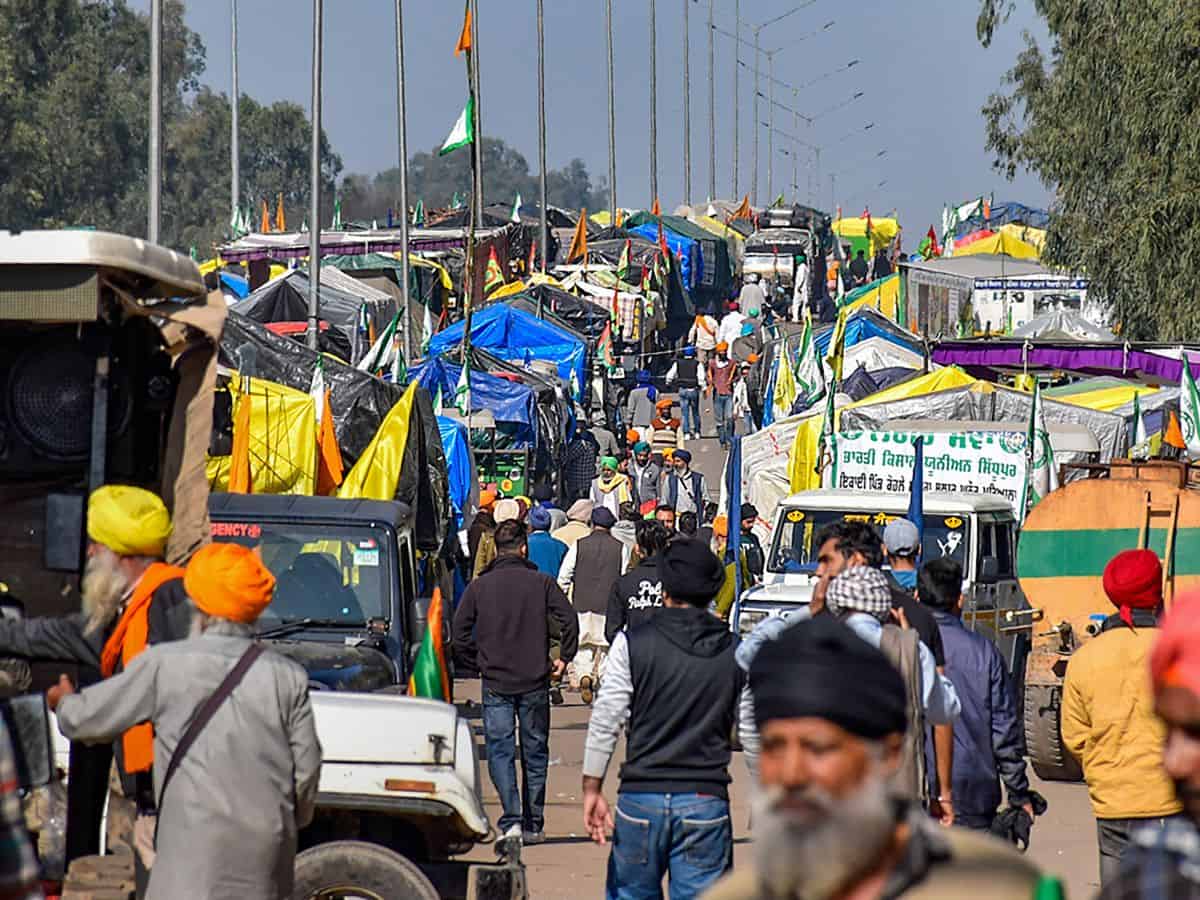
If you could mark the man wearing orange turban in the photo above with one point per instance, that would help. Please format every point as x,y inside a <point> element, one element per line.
<point>1108,720</point>
<point>227,825</point>
<point>124,579</point>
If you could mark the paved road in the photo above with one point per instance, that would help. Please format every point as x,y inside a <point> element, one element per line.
<point>569,865</point>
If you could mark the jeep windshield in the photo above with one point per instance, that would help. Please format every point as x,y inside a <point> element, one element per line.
<point>795,548</point>
<point>330,576</point>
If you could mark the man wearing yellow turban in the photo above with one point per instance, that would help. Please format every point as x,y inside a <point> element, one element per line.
<point>248,783</point>
<point>131,600</point>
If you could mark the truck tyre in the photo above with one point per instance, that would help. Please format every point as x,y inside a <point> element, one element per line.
<point>358,870</point>
<point>1043,736</point>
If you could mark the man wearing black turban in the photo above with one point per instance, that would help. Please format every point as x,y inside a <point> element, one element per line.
<point>676,682</point>
<point>828,823</point>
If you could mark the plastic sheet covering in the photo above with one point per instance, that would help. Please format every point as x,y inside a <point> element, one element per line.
<point>508,401</point>
<point>867,323</point>
<point>999,244</point>
<point>1063,325</point>
<point>509,333</point>
<point>882,295</point>
<point>862,383</point>
<point>460,470</point>
<point>360,402</point>
<point>877,353</point>
<point>283,440</point>
<point>376,474</point>
<point>585,316</point>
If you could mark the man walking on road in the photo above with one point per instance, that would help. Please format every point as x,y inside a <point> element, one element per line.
<point>989,742</point>
<point>688,374</point>
<point>545,552</point>
<point>684,490</point>
<point>722,373</point>
<point>832,713</point>
<point>1108,720</point>
<point>676,683</point>
<point>502,627</point>
<point>637,594</point>
<point>703,337</point>
<point>247,782</point>
<point>589,571</point>
<point>645,473</point>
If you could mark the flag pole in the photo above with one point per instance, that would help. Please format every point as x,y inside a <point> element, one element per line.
<point>234,153</point>
<point>314,210</point>
<point>402,128</point>
<point>155,163</point>
<point>653,104</point>
<point>612,124</point>
<point>737,62</point>
<point>687,106</point>
<point>477,144</point>
<point>712,111</point>
<point>541,43</point>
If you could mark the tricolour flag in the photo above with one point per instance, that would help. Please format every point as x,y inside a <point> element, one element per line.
<point>1042,477</point>
<point>463,131</point>
<point>1189,409</point>
<point>462,390</point>
<point>429,675</point>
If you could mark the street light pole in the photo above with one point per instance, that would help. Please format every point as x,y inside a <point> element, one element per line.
<point>653,106</point>
<point>754,187</point>
<point>234,153</point>
<point>314,186</point>
<point>771,130</point>
<point>541,39</point>
<point>737,64</point>
<point>155,166</point>
<point>712,111</point>
<point>402,135</point>
<point>612,124</point>
<point>687,107</point>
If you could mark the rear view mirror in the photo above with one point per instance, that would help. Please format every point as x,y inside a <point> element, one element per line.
<point>63,535</point>
<point>989,570</point>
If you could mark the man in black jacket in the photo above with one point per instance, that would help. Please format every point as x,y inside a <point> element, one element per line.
<point>637,594</point>
<point>677,683</point>
<point>502,628</point>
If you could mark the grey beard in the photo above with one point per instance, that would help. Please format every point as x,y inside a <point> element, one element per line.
<point>103,587</point>
<point>813,857</point>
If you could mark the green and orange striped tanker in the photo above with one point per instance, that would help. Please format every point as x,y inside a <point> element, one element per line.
<point>1065,543</point>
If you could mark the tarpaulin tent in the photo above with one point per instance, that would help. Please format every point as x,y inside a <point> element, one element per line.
<point>999,244</point>
<point>1062,325</point>
<point>863,382</point>
<point>581,316</point>
<point>854,232</point>
<point>510,403</point>
<point>883,294</point>
<point>429,281</point>
<point>511,333</point>
<point>1030,235</point>
<point>713,281</point>
<point>360,403</point>
<point>865,323</point>
<point>460,469</point>
<point>1116,395</point>
<point>1002,214</point>
<point>351,316</point>
<point>684,250</point>
<point>876,353</point>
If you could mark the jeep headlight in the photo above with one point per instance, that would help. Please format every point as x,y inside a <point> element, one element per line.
<point>748,620</point>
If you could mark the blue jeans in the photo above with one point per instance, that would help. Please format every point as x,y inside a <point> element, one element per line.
<point>686,836</point>
<point>722,404</point>
<point>689,399</point>
<point>500,713</point>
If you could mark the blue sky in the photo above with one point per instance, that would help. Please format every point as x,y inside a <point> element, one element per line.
<point>923,75</point>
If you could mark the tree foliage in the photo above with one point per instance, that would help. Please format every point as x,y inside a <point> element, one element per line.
<point>1107,114</point>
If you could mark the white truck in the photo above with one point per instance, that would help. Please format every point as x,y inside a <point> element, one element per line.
<point>979,531</point>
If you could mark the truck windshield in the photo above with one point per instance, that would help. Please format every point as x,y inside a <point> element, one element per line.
<point>795,548</point>
<point>337,574</point>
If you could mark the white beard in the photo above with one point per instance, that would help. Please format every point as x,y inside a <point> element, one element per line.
<point>103,587</point>
<point>811,856</point>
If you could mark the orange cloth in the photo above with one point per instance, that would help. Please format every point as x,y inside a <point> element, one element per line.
<point>128,639</point>
<point>487,499</point>
<point>702,323</point>
<point>229,581</point>
<point>720,526</point>
<point>722,346</point>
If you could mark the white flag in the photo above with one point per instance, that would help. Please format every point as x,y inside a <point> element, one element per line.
<point>317,391</point>
<point>810,374</point>
<point>463,130</point>
<point>462,390</point>
<point>516,210</point>
<point>1141,441</point>
<point>426,328</point>
<point>1189,409</point>
<point>1042,477</point>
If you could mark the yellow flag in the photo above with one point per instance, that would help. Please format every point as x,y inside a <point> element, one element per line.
<point>377,472</point>
<point>274,442</point>
<point>579,240</point>
<point>266,219</point>
<point>837,347</point>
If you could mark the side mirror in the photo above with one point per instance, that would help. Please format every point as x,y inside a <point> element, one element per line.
<point>989,570</point>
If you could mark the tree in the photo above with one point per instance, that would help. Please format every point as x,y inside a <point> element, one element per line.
<point>1109,117</point>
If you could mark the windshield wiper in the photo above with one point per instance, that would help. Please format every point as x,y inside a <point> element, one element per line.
<point>293,625</point>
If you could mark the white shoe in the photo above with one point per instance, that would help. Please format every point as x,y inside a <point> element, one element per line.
<point>513,831</point>
<point>533,837</point>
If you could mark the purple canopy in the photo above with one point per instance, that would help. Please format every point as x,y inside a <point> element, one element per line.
<point>1122,360</point>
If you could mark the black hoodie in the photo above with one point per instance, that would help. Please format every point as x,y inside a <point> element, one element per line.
<point>686,686</point>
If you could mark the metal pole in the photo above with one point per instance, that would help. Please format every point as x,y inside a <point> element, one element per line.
<point>712,110</point>
<point>754,187</point>
<point>612,121</point>
<point>155,187</point>
<point>234,154</point>
<point>687,106</point>
<point>737,64</point>
<point>771,130</point>
<point>402,134</point>
<point>653,107</point>
<point>541,39</point>
<point>314,186</point>
<point>795,144</point>
<point>477,145</point>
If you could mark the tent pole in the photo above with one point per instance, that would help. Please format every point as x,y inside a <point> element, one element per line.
<point>314,187</point>
<point>402,129</point>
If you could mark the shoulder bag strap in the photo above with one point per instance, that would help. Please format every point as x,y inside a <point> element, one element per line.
<point>203,714</point>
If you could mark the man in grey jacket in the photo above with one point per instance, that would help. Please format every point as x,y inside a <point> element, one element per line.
<point>227,828</point>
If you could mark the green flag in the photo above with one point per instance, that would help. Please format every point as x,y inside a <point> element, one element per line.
<point>418,218</point>
<point>430,677</point>
<point>463,131</point>
<point>336,225</point>
<point>1042,477</point>
<point>810,374</point>
<point>1189,409</point>
<point>516,210</point>
<point>462,390</point>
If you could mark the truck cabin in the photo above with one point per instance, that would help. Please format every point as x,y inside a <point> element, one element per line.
<point>345,570</point>
<point>107,342</point>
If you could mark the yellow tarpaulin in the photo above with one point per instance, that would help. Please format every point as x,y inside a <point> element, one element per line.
<point>421,262</point>
<point>517,287</point>
<point>1034,236</point>
<point>802,460</point>
<point>884,296</point>
<point>1001,243</point>
<point>1110,398</point>
<point>882,230</point>
<point>377,472</point>
<point>718,229</point>
<point>283,441</point>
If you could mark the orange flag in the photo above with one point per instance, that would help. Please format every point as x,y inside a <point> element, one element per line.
<point>329,455</point>
<point>280,223</point>
<point>579,241</point>
<point>266,219</point>
<point>620,218</point>
<point>464,39</point>
<point>1174,434</point>
<point>743,211</point>
<point>656,210</point>
<point>239,466</point>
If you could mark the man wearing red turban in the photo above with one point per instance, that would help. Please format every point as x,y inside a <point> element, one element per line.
<point>1108,720</point>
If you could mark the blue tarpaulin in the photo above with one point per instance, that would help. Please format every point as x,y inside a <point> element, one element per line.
<point>456,445</point>
<point>235,284</point>
<point>509,402</point>
<point>692,268</point>
<point>868,323</point>
<point>507,333</point>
